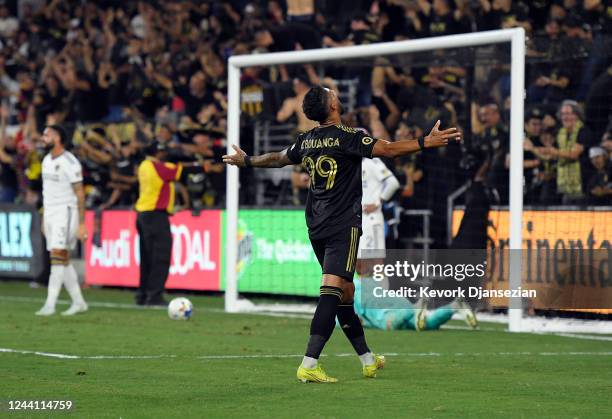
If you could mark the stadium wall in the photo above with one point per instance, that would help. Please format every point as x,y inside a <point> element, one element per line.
<point>275,256</point>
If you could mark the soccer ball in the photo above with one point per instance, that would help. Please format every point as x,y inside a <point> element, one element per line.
<point>180,309</point>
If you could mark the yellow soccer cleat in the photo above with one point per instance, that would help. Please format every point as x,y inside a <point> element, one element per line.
<point>314,375</point>
<point>470,319</point>
<point>369,371</point>
<point>469,315</point>
<point>420,322</point>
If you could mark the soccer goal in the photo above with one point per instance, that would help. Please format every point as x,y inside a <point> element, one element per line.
<point>283,274</point>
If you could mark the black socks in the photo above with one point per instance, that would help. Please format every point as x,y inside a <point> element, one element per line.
<point>352,328</point>
<point>324,320</point>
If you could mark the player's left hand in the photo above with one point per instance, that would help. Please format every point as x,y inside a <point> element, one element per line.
<point>437,138</point>
<point>82,232</point>
<point>235,159</point>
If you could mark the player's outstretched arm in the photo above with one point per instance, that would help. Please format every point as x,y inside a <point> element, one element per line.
<point>269,160</point>
<point>435,139</point>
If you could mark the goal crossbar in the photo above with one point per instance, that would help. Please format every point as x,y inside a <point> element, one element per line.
<point>515,36</point>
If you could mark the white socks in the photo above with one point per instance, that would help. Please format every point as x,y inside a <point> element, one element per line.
<point>367,359</point>
<point>56,278</point>
<point>71,282</point>
<point>309,363</point>
<point>66,275</point>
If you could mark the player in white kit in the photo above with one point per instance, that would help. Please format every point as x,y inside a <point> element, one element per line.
<point>63,218</point>
<point>379,185</point>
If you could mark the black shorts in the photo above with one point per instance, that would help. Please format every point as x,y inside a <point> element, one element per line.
<point>337,254</point>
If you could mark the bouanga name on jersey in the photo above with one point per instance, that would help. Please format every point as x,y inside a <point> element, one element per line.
<point>320,143</point>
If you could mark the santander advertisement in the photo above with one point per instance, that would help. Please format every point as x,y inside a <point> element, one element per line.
<point>196,244</point>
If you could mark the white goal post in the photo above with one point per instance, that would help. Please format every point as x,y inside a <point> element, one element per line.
<point>515,36</point>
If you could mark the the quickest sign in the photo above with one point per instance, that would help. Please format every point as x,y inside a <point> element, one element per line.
<point>20,242</point>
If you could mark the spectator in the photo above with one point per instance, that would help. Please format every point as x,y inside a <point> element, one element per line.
<point>361,33</point>
<point>195,95</point>
<point>388,111</point>
<point>300,11</point>
<point>600,184</point>
<point>123,180</point>
<point>288,37</point>
<point>495,145</point>
<point>606,141</point>
<point>545,182</point>
<point>293,106</point>
<point>252,91</point>
<point>498,14</point>
<point>445,82</point>
<point>8,24</point>
<point>300,183</point>
<point>438,18</point>
<point>410,168</point>
<point>8,175</point>
<point>397,20</point>
<point>572,167</point>
<point>552,76</point>
<point>533,129</point>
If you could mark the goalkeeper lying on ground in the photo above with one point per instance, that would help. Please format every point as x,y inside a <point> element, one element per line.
<point>398,315</point>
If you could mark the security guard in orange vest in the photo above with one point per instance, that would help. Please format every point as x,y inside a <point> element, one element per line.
<point>155,203</point>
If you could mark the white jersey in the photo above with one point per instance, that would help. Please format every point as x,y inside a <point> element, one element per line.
<point>58,175</point>
<point>373,175</point>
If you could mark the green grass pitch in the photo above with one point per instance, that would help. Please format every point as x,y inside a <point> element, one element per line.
<point>445,374</point>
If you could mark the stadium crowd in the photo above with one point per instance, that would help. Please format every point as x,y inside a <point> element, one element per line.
<point>120,74</point>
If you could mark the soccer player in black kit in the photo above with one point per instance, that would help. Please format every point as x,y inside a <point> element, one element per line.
<point>332,155</point>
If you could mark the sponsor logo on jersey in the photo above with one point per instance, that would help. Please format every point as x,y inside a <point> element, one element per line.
<point>51,177</point>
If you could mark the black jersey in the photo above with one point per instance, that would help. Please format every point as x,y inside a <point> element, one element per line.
<point>332,155</point>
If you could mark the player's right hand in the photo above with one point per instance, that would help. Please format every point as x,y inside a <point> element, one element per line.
<point>437,138</point>
<point>82,232</point>
<point>370,208</point>
<point>235,159</point>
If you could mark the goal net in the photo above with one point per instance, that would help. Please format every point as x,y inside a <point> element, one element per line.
<point>469,80</point>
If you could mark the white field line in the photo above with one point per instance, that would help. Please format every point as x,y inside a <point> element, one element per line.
<point>263,356</point>
<point>587,337</point>
<point>457,327</point>
<point>66,356</point>
<point>98,304</point>
<point>283,315</point>
<point>129,306</point>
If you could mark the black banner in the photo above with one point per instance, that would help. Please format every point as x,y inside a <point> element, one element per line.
<point>21,249</point>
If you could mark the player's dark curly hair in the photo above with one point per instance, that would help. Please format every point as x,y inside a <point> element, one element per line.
<point>315,105</point>
<point>61,132</point>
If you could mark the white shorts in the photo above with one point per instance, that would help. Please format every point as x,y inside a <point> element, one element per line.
<point>61,224</point>
<point>372,243</point>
